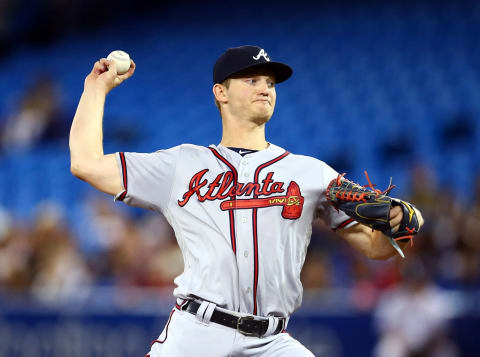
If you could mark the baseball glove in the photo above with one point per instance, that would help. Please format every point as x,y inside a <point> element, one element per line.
<point>371,207</point>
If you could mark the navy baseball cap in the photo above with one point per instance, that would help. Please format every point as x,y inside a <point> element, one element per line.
<point>237,59</point>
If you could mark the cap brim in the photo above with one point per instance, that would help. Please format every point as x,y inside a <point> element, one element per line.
<point>281,71</point>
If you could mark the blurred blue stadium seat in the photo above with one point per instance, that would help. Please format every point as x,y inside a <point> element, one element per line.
<point>358,77</point>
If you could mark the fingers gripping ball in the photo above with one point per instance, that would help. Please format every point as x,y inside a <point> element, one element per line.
<point>371,207</point>
<point>122,60</point>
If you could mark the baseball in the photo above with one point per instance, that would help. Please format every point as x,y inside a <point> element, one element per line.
<point>122,59</point>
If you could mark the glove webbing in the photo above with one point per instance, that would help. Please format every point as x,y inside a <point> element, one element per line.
<point>356,196</point>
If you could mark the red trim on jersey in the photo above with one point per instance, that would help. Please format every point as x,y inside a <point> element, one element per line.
<point>343,224</point>
<point>166,330</point>
<point>124,173</point>
<point>230,213</point>
<point>255,259</point>
<point>179,307</point>
<point>255,233</point>
<point>122,196</point>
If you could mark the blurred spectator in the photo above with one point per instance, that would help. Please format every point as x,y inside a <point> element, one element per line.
<point>123,251</point>
<point>5,223</point>
<point>39,119</point>
<point>43,259</point>
<point>317,272</point>
<point>15,255</point>
<point>165,261</point>
<point>423,191</point>
<point>412,318</point>
<point>59,272</point>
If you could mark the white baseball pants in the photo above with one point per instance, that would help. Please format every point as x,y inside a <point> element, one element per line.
<point>185,335</point>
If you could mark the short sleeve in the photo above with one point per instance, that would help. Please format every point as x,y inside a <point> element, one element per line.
<point>325,210</point>
<point>147,178</point>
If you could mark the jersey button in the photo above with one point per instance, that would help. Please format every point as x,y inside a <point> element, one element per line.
<point>244,220</point>
<point>248,290</point>
<point>245,174</point>
<point>245,254</point>
<point>244,163</point>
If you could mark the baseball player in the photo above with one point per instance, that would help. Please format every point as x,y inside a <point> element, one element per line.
<point>241,210</point>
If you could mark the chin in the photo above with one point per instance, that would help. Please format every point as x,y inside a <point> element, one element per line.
<point>262,118</point>
<point>263,115</point>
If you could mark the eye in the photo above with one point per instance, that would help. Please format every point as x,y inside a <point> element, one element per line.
<point>271,84</point>
<point>251,81</point>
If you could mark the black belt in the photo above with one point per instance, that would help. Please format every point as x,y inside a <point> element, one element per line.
<point>246,325</point>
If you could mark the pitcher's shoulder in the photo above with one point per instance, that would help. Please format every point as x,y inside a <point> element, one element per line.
<point>186,148</point>
<point>194,148</point>
<point>308,160</point>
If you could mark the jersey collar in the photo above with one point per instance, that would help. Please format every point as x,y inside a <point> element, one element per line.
<point>271,149</point>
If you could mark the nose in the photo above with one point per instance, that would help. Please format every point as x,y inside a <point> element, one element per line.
<point>263,89</point>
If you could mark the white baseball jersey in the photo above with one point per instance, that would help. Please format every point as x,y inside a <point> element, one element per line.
<point>243,223</point>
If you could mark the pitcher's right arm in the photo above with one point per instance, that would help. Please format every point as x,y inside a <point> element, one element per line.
<point>87,159</point>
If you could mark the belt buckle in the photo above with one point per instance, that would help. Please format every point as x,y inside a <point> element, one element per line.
<point>240,323</point>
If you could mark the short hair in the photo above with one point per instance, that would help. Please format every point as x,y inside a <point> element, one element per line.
<point>225,83</point>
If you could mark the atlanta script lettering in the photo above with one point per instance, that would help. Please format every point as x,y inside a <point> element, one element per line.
<point>223,186</point>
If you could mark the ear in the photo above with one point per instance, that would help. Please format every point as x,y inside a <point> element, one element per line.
<point>220,93</point>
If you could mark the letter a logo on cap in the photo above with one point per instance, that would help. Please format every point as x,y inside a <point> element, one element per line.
<point>263,54</point>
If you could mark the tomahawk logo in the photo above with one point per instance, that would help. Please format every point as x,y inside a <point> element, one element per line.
<point>263,54</point>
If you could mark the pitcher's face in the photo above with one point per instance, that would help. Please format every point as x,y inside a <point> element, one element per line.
<point>252,94</point>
